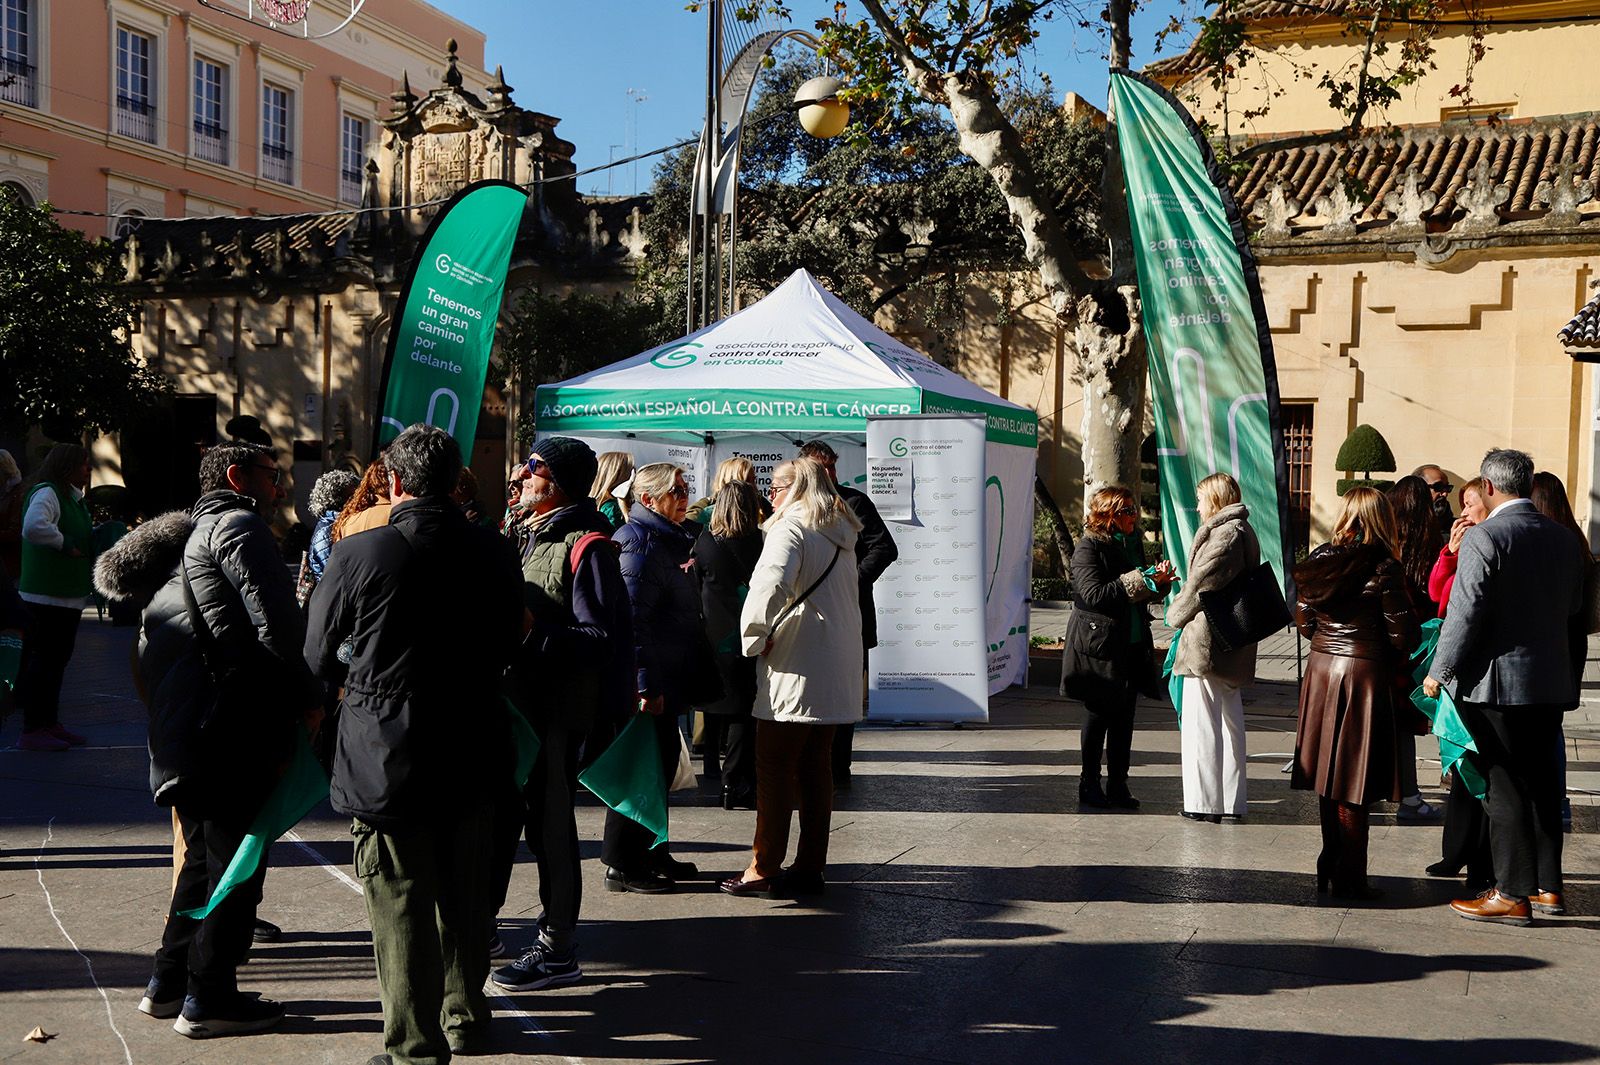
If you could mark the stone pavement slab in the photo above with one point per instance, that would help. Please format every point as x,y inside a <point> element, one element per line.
<point>973,915</point>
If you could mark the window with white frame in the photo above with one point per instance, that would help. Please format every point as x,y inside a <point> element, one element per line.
<point>277,133</point>
<point>136,94</point>
<point>352,157</point>
<point>19,71</point>
<point>210,111</point>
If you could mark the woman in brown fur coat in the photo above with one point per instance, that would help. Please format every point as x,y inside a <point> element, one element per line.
<point>1354,609</point>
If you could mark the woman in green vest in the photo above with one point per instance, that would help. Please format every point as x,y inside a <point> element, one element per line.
<point>57,558</point>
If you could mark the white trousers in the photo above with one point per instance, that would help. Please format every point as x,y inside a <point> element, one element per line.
<point>1212,734</point>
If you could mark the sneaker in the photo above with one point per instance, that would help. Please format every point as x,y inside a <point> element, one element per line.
<point>241,1014</point>
<point>162,1001</point>
<point>41,739</point>
<point>539,968</point>
<point>1418,813</point>
<point>66,735</point>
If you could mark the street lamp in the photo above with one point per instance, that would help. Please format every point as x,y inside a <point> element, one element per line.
<point>715,190</point>
<point>822,113</point>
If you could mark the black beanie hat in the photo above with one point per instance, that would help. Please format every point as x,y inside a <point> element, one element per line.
<point>572,465</point>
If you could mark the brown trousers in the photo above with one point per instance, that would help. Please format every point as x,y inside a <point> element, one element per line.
<point>794,770</point>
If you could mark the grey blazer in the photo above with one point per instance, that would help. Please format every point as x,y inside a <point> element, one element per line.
<point>1504,640</point>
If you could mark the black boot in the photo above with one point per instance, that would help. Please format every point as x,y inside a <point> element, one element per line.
<point>1089,794</point>
<point>1118,795</point>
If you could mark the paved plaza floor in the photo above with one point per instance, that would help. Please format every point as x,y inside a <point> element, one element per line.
<point>973,915</point>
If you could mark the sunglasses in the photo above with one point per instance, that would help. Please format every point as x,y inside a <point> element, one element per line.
<point>679,490</point>
<point>1440,488</point>
<point>539,466</point>
<point>1126,512</point>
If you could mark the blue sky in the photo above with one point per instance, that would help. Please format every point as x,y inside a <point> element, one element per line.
<point>577,61</point>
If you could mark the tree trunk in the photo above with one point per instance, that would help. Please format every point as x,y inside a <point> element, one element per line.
<point>1060,535</point>
<point>1111,350</point>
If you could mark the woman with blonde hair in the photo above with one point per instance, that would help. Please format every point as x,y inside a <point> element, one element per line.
<point>615,467</point>
<point>1354,608</point>
<point>1108,654</point>
<point>1212,723</point>
<point>802,618</point>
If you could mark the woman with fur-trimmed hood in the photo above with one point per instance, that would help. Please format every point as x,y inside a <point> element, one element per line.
<point>1212,722</point>
<point>1353,607</point>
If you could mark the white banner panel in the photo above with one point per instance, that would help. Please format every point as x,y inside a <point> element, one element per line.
<point>695,459</point>
<point>931,662</point>
<point>1008,560</point>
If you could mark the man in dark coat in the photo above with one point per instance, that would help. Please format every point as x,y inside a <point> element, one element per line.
<point>216,570</point>
<point>875,553</point>
<point>418,619</point>
<point>1439,494</point>
<point>1504,656</point>
<point>573,680</point>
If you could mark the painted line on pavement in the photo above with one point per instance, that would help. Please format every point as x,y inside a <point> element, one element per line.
<point>529,1025</point>
<point>49,834</point>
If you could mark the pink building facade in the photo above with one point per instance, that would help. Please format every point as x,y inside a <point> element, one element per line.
<point>151,108</point>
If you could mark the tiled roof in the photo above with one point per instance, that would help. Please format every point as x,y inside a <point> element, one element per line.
<point>1520,154</point>
<point>1584,329</point>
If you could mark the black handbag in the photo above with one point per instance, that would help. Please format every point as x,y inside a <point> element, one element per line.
<point>1247,610</point>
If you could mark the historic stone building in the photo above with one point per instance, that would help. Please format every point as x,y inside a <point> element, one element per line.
<point>287,319</point>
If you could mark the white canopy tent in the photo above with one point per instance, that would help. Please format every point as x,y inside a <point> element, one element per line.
<point>801,364</point>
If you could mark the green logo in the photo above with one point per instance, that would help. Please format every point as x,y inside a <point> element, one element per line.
<point>897,447</point>
<point>675,356</point>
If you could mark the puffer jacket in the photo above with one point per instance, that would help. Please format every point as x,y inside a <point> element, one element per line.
<point>1225,546</point>
<point>431,606</point>
<point>813,674</point>
<point>245,596</point>
<point>666,608</point>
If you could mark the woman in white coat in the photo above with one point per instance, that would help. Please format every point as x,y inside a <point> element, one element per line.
<point>803,618</point>
<point>1212,726</point>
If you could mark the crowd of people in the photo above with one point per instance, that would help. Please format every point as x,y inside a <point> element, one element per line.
<point>1513,585</point>
<point>421,634</point>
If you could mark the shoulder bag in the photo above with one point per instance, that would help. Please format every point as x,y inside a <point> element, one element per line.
<point>1247,610</point>
<point>794,604</point>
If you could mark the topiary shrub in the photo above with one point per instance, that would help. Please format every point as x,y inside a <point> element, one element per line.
<point>1365,450</point>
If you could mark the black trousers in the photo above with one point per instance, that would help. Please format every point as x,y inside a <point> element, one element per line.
<point>207,954</point>
<point>627,845</point>
<point>1466,834</point>
<point>736,742</point>
<point>1518,750</point>
<point>46,650</point>
<point>1108,727</point>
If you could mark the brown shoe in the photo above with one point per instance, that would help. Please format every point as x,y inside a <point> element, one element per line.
<point>1548,902</point>
<point>1495,907</point>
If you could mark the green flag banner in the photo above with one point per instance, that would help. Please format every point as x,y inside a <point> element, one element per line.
<point>1456,745</point>
<point>1213,382</point>
<point>627,777</point>
<point>439,344</point>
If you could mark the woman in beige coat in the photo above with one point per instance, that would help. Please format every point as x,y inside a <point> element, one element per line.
<point>803,618</point>
<point>1212,725</point>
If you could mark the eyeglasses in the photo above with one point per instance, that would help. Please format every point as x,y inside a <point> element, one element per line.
<point>679,490</point>
<point>277,473</point>
<point>776,488</point>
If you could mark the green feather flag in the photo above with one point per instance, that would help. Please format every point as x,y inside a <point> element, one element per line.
<point>628,777</point>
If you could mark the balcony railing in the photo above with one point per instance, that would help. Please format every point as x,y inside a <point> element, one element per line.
<point>277,164</point>
<point>136,118</point>
<point>350,186</point>
<point>19,82</point>
<point>211,143</point>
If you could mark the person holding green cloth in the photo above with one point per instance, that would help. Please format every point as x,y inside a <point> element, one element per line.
<point>57,559</point>
<point>1108,655</point>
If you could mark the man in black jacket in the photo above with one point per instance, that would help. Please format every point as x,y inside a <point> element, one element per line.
<point>418,619</point>
<point>875,552</point>
<point>231,581</point>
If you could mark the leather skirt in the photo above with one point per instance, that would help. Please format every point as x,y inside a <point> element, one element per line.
<point>1345,742</point>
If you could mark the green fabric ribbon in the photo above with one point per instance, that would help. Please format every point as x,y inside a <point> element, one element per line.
<point>628,777</point>
<point>1456,745</point>
<point>1174,682</point>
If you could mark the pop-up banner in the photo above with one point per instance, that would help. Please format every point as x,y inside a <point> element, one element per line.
<point>931,662</point>
<point>439,343</point>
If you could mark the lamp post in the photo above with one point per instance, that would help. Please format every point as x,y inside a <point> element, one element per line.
<point>714,185</point>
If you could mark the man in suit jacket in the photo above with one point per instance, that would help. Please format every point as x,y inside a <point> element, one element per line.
<point>1503,655</point>
<point>875,552</point>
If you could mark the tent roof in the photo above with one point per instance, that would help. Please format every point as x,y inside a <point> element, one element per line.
<point>799,360</point>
